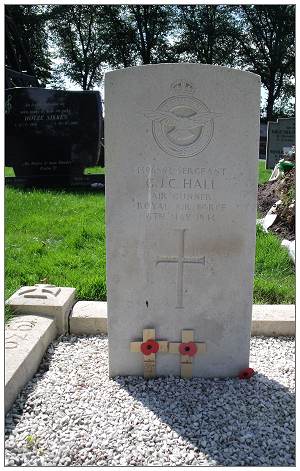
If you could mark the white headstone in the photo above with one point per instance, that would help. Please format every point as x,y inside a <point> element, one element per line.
<point>181,181</point>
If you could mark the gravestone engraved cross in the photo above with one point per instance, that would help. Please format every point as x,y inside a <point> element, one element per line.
<point>39,291</point>
<point>181,260</point>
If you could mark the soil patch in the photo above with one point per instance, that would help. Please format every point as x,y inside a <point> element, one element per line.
<point>283,230</point>
<point>284,190</point>
<point>266,197</point>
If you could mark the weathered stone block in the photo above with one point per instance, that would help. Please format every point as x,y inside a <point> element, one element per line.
<point>45,300</point>
<point>273,320</point>
<point>26,340</point>
<point>89,317</point>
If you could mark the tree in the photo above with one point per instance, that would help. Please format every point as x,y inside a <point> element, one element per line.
<point>137,34</point>
<point>284,106</point>
<point>267,46</point>
<point>153,24</point>
<point>26,45</point>
<point>207,34</point>
<point>77,35</point>
<point>119,33</point>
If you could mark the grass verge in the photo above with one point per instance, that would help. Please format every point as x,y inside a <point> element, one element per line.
<point>55,237</point>
<point>58,237</point>
<point>274,280</point>
<point>263,172</point>
<point>94,170</point>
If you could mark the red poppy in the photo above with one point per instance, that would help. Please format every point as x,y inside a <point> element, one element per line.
<point>246,373</point>
<point>189,348</point>
<point>150,346</point>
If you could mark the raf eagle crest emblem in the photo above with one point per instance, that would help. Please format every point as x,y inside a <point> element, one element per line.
<point>182,125</point>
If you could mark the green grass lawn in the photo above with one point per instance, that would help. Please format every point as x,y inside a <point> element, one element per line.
<point>263,173</point>
<point>274,280</point>
<point>9,171</point>
<point>94,170</point>
<point>55,237</point>
<point>58,237</point>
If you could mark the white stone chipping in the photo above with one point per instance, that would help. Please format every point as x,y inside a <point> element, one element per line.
<point>71,413</point>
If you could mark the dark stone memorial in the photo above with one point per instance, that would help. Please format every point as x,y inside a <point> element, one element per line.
<point>280,134</point>
<point>51,136</point>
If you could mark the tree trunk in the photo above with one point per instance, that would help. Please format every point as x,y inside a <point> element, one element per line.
<point>84,82</point>
<point>270,104</point>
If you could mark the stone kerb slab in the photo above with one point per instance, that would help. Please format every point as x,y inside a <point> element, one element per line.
<point>89,317</point>
<point>45,300</point>
<point>26,340</point>
<point>181,170</point>
<point>273,320</point>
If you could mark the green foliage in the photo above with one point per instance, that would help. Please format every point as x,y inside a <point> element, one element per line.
<point>32,443</point>
<point>77,34</point>
<point>8,313</point>
<point>284,106</point>
<point>85,40</point>
<point>9,172</point>
<point>94,170</point>
<point>289,196</point>
<point>55,237</point>
<point>120,35</point>
<point>274,281</point>
<point>267,48</point>
<point>153,24</point>
<point>263,172</point>
<point>29,50</point>
<point>138,34</point>
<point>207,34</point>
<point>59,238</point>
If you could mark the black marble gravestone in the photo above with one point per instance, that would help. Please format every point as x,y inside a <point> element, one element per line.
<point>51,136</point>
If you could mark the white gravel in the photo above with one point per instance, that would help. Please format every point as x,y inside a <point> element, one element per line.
<point>72,414</point>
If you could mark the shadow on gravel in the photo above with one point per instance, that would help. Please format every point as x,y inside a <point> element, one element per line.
<point>234,422</point>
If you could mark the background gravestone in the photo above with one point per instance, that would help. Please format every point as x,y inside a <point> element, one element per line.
<point>263,140</point>
<point>51,136</point>
<point>181,165</point>
<point>280,134</point>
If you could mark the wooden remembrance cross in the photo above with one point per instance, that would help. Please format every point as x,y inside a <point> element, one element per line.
<point>187,348</point>
<point>149,346</point>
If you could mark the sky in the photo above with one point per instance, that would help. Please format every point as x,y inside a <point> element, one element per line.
<point>74,86</point>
